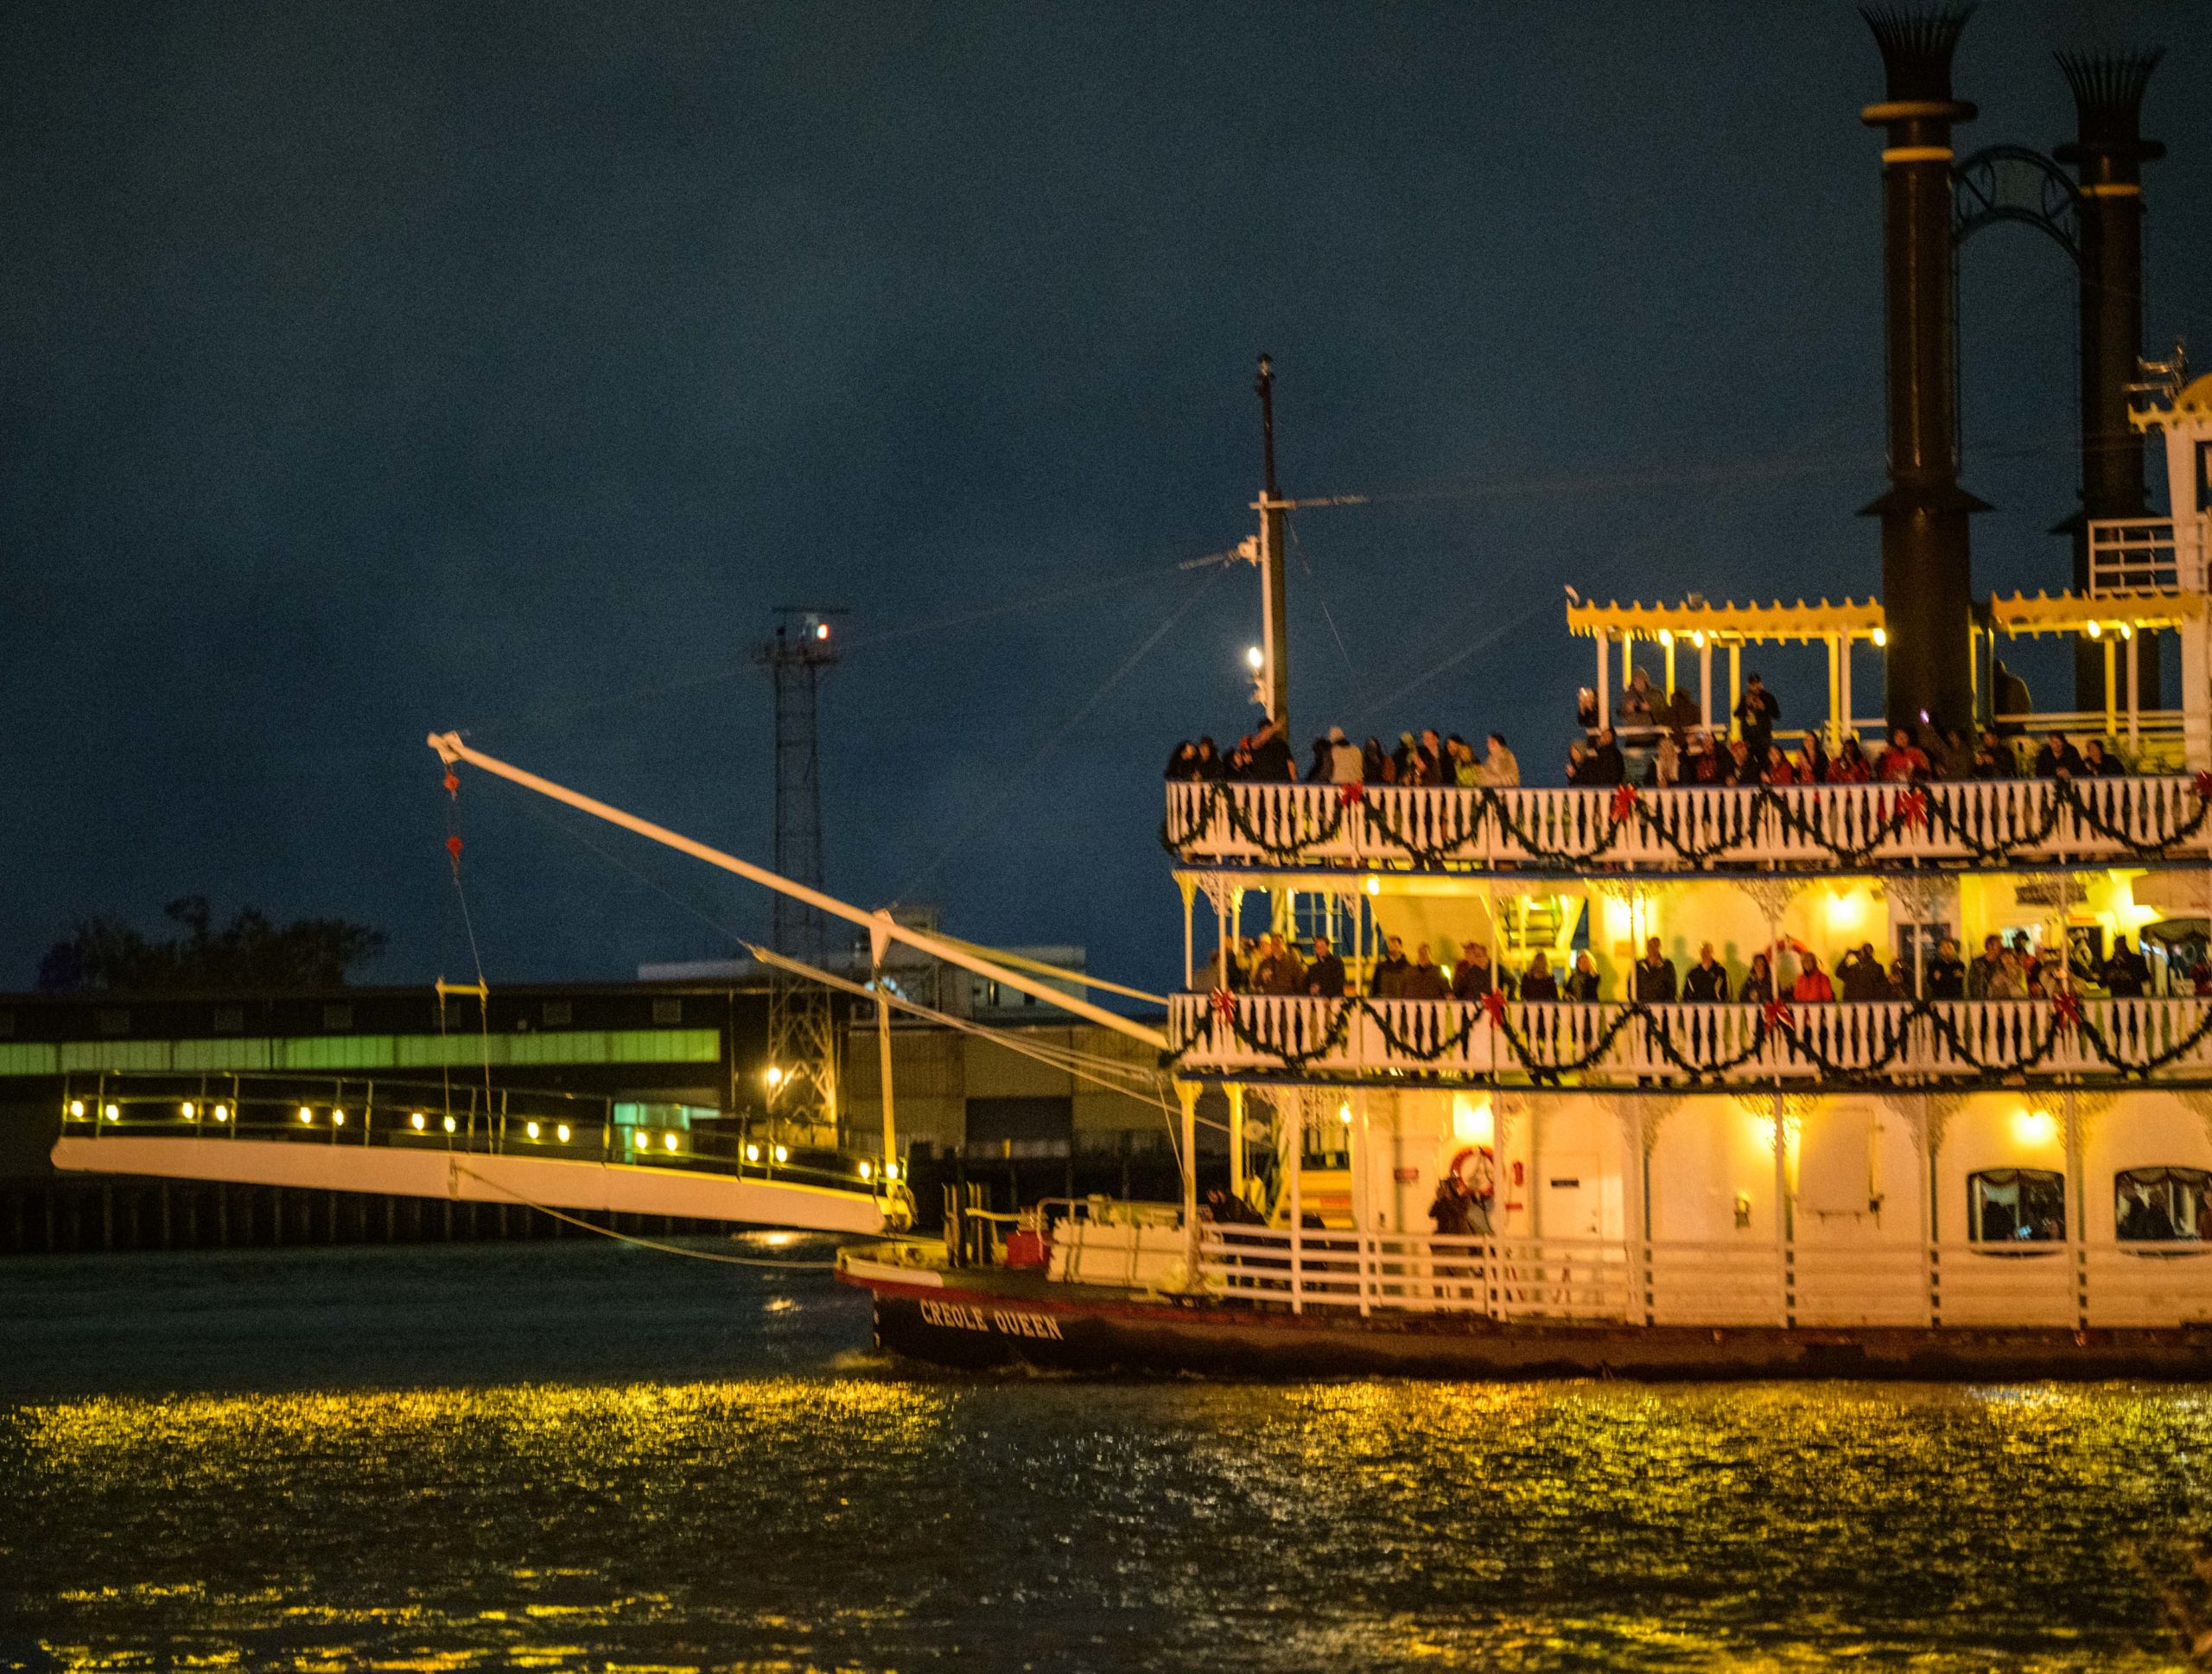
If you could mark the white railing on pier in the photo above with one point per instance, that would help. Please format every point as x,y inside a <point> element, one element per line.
<point>1609,1043</point>
<point>1750,1282</point>
<point>1796,827</point>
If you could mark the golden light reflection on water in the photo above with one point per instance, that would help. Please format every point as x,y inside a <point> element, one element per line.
<point>875,1521</point>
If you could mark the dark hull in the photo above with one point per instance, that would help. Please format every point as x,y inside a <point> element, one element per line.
<point>981,1321</point>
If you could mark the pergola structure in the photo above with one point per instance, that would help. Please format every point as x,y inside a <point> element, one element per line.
<point>2112,619</point>
<point>1705,628</point>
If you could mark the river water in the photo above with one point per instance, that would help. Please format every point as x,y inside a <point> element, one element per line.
<point>595,1457</point>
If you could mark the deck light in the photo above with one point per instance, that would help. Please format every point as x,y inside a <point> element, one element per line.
<point>782,1156</point>
<point>1881,636</point>
<point>2035,1127</point>
<point>1375,886</point>
<point>306,1114</point>
<point>1254,659</point>
<point>752,1153</point>
<point>415,1121</point>
<point>76,1107</point>
<point>775,1076</point>
<point>2127,630</point>
<point>1698,639</point>
<point>1666,638</point>
<point>822,630</point>
<point>2096,630</point>
<point>890,1172</point>
<point>561,1133</point>
<point>222,1112</point>
<point>450,1124</point>
<point>531,1131</point>
<point>338,1118</point>
<point>188,1109</point>
<point>868,1169</point>
<point>668,1140</point>
<point>112,1113</point>
<point>1343,1113</point>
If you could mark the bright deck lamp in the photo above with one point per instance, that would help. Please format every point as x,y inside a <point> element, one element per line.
<point>1254,659</point>
<point>113,1113</point>
<point>531,1131</point>
<point>415,1121</point>
<point>782,1156</point>
<point>306,1114</point>
<point>561,1133</point>
<point>188,1109</point>
<point>222,1112</point>
<point>76,1107</point>
<point>668,1141</point>
<point>450,1124</point>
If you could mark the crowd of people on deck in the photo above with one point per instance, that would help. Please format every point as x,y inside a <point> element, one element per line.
<point>1425,758</point>
<point>2002,970</point>
<point>1675,751</point>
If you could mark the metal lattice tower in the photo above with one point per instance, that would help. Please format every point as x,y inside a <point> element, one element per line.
<point>802,1026</point>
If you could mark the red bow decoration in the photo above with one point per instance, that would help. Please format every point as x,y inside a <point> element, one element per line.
<point>1777,1013</point>
<point>453,782</point>
<point>1356,792</point>
<point>1623,801</point>
<point>2204,787</point>
<point>1912,809</point>
<point>1224,1003</point>
<point>1494,1008</point>
<point>453,848</point>
<point>2067,1005</point>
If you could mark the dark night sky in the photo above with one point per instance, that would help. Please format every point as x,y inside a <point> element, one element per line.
<point>374,368</point>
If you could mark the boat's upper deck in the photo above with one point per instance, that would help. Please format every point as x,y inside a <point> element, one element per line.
<point>1995,824</point>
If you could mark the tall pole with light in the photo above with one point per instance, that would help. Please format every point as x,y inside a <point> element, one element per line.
<point>1273,682</point>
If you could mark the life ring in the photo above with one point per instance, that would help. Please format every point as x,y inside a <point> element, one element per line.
<point>1476,1169</point>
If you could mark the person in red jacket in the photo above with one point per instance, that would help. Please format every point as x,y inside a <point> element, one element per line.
<point>1905,760</point>
<point>1812,986</point>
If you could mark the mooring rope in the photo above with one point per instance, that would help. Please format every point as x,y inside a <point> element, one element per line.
<point>645,1243</point>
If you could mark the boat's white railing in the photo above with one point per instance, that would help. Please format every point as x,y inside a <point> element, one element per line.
<point>1798,827</point>
<point>1613,1042</point>
<point>2139,555</point>
<point>1751,1280</point>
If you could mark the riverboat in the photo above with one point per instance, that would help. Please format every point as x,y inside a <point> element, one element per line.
<point>1941,1185</point>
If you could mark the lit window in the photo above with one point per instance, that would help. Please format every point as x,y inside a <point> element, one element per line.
<point>2016,1206</point>
<point>2161,1205</point>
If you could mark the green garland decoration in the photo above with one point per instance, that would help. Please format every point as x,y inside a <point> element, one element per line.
<point>1548,1072</point>
<point>1767,804</point>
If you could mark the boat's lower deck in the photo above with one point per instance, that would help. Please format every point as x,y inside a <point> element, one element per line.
<point>989,1317</point>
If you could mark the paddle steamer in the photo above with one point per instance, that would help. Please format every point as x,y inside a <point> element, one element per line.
<point>1903,1187</point>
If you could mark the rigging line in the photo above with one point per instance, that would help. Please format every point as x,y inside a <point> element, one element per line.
<point>731,671</point>
<point>1033,602</point>
<point>1037,757</point>
<point>1801,462</point>
<point>1021,962</point>
<point>1298,549</point>
<point>1026,1049</point>
<point>966,1026</point>
<point>647,1243</point>
<point>1494,635</point>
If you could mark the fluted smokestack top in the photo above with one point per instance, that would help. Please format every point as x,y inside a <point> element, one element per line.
<point>1916,43</point>
<point>2108,90</point>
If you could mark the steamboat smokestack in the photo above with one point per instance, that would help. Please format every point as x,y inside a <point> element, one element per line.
<point>1927,578</point>
<point>2109,153</point>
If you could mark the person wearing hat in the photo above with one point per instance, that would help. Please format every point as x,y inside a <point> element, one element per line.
<point>1346,765</point>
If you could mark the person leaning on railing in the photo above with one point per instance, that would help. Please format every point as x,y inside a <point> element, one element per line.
<point>1652,982</point>
<point>1707,981</point>
<point>1812,986</point>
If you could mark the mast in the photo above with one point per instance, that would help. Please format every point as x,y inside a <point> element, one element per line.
<point>1275,672</point>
